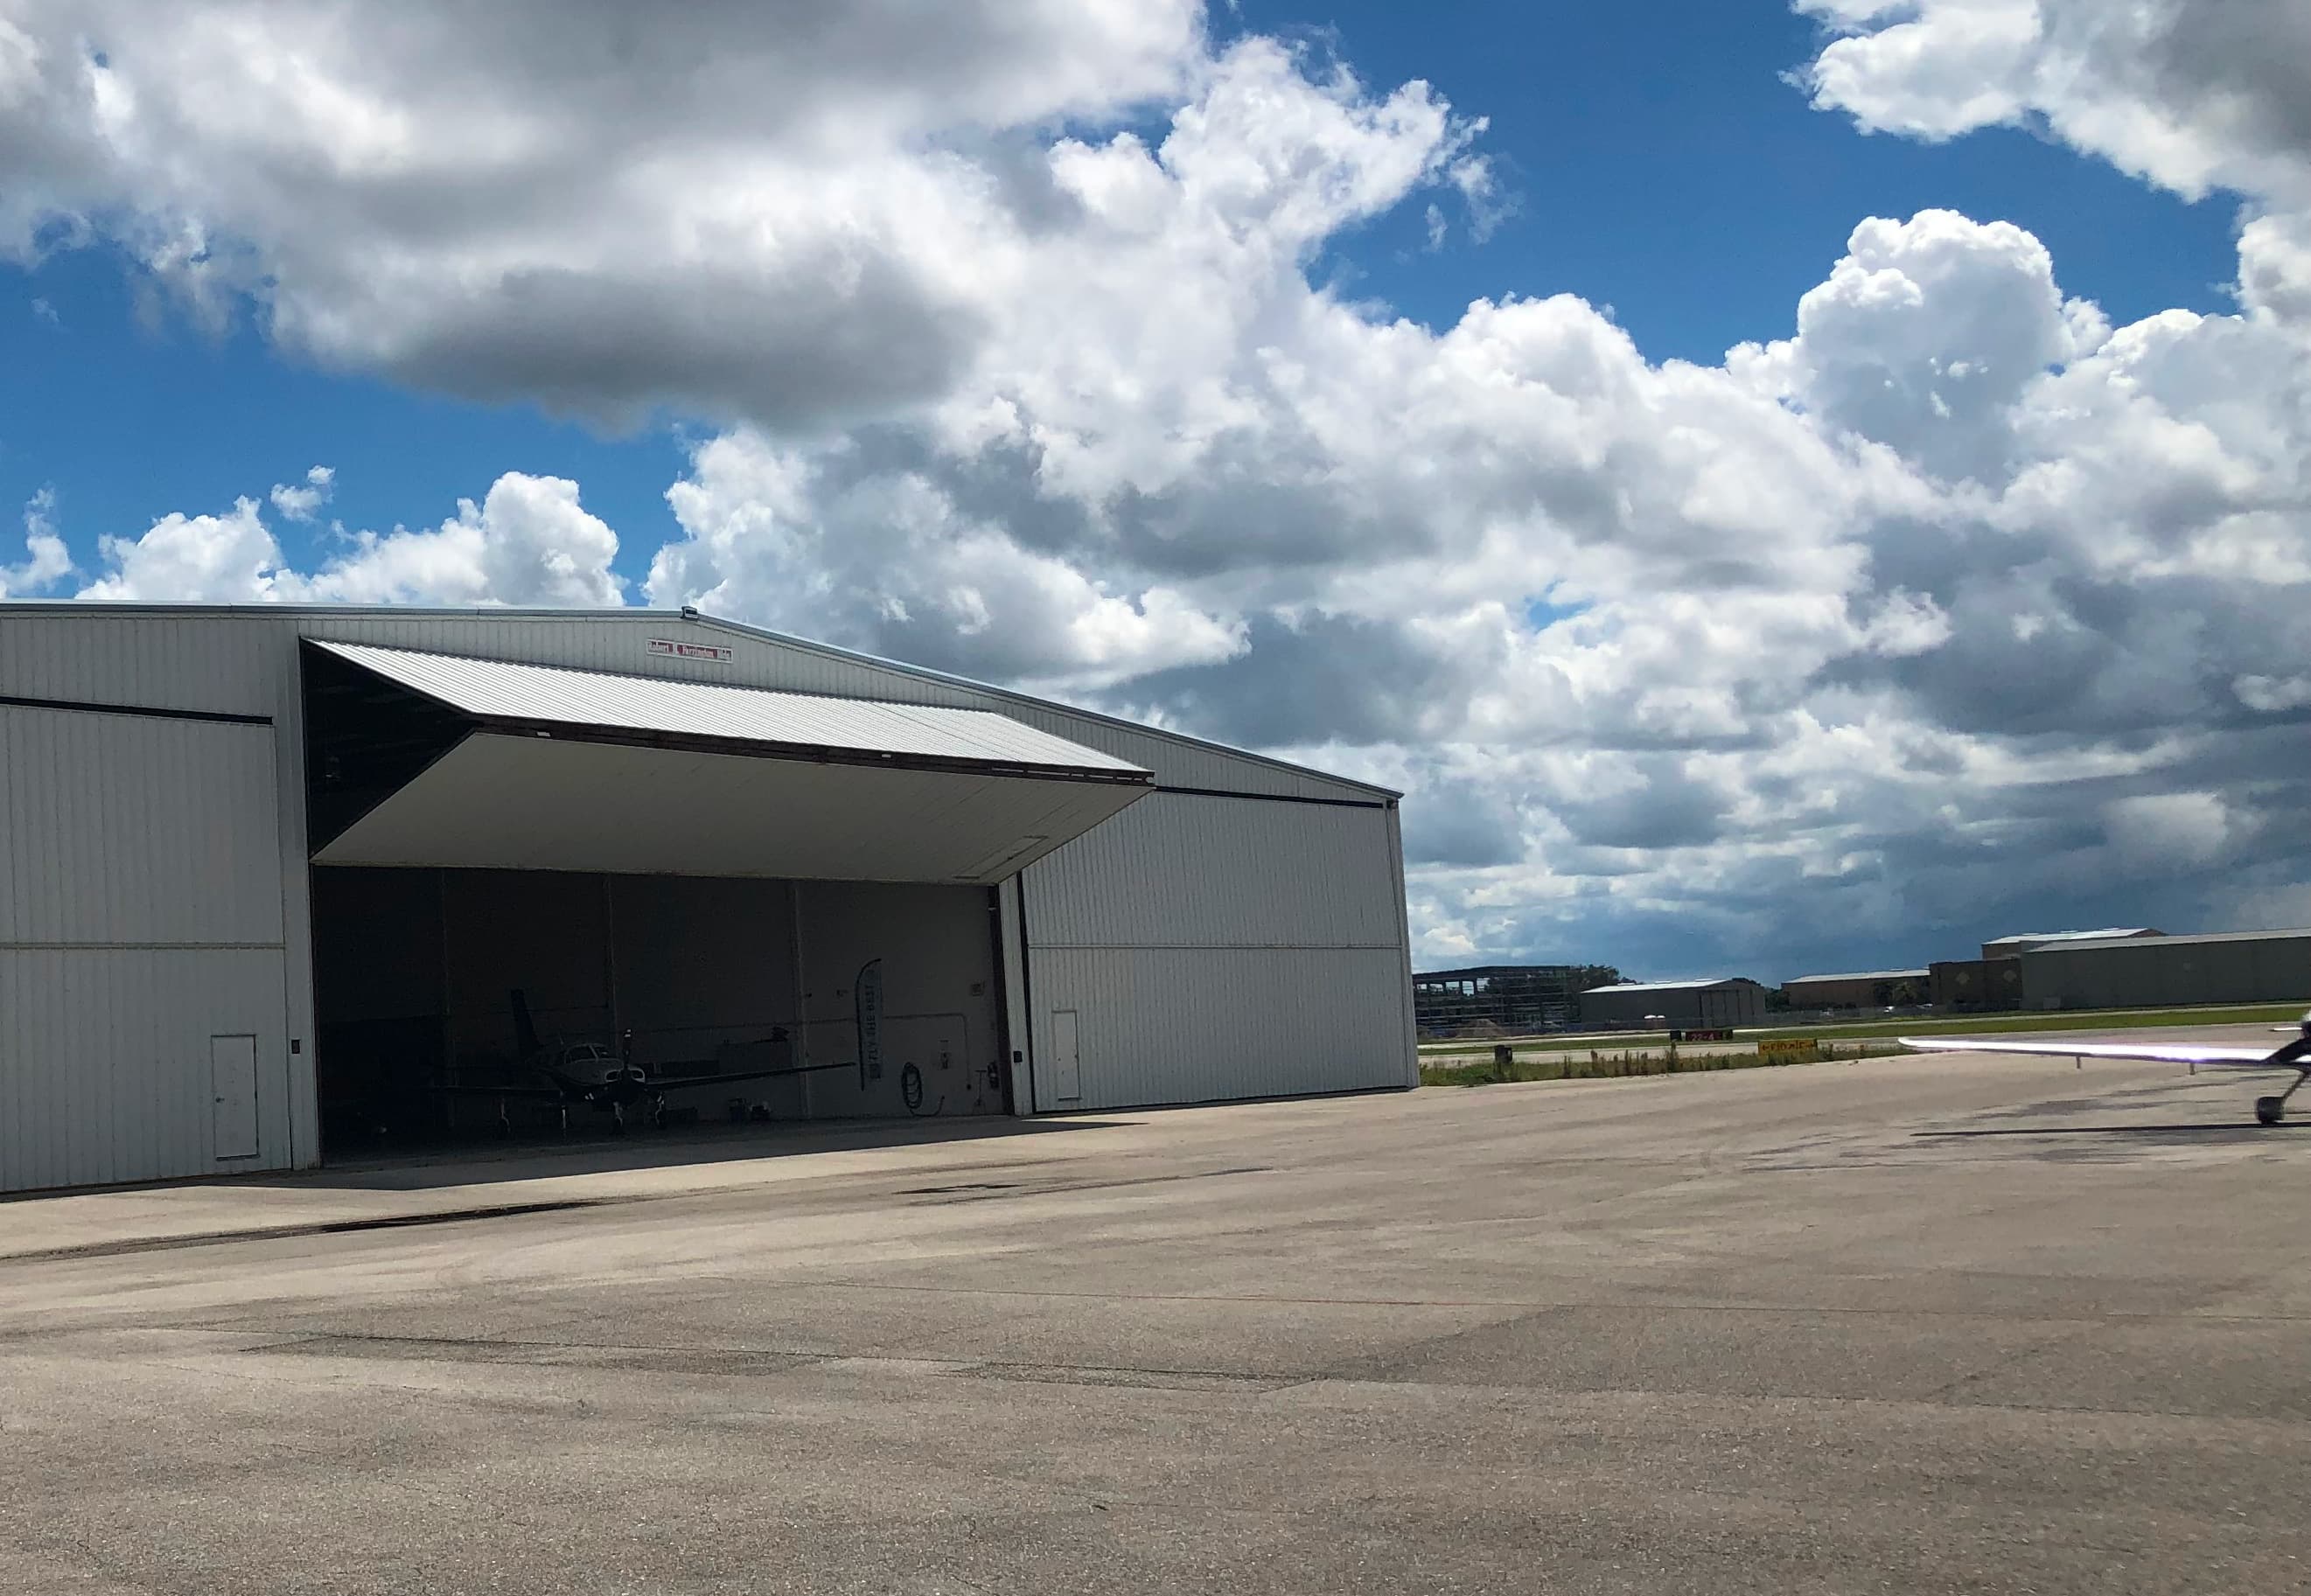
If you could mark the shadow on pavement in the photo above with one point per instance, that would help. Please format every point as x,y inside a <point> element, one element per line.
<point>474,1163</point>
<point>2223,1127</point>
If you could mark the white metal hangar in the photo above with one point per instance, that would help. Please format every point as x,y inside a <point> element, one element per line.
<point>275,881</point>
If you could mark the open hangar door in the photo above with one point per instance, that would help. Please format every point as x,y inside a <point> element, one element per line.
<point>685,882</point>
<point>685,979</point>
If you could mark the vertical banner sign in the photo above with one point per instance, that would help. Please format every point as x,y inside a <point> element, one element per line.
<point>867,996</point>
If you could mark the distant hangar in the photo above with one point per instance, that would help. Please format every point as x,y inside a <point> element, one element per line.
<point>269,875</point>
<point>2149,971</point>
<point>1872,989</point>
<point>1707,1002</point>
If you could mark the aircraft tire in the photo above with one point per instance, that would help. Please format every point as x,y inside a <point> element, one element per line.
<point>2269,1110</point>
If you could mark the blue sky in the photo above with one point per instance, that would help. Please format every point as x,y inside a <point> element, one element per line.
<point>1953,611</point>
<point>1657,160</point>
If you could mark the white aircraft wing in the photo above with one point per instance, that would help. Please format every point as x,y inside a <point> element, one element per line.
<point>2236,1058</point>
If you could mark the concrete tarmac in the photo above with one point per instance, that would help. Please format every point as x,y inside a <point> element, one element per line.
<point>1948,1324</point>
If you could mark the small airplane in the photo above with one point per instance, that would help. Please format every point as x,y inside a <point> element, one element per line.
<point>2295,1055</point>
<point>588,1074</point>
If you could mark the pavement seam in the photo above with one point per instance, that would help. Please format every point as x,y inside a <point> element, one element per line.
<point>319,1227</point>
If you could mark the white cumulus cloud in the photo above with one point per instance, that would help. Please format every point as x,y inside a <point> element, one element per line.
<point>300,501</point>
<point>47,561</point>
<point>528,542</point>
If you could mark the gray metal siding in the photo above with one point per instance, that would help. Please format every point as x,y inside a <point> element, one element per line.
<point>1182,1024</point>
<point>1218,948</point>
<point>1733,1003</point>
<point>141,913</point>
<point>104,1061</point>
<point>124,829</point>
<point>1182,870</point>
<point>2155,971</point>
<point>85,653</point>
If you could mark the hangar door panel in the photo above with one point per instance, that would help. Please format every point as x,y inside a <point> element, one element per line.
<point>1213,1024</point>
<point>1180,869</point>
<point>136,829</point>
<point>140,917</point>
<point>107,1070</point>
<point>1205,949</point>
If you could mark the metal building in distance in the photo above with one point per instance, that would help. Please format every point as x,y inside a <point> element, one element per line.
<point>1873,989</point>
<point>1717,1000</point>
<point>2021,942</point>
<point>270,876</point>
<point>2154,971</point>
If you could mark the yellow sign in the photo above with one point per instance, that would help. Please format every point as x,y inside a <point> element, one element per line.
<point>1797,1051</point>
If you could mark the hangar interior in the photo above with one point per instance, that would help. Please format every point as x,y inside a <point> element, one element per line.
<point>684,976</point>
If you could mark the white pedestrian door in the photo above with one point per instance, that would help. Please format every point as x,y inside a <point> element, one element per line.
<point>1066,1066</point>
<point>232,1083</point>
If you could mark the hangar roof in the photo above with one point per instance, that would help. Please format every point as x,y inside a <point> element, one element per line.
<point>2200,939</point>
<point>2041,938</point>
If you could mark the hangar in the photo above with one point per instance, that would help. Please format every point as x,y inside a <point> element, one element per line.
<point>270,877</point>
<point>2142,970</point>
<point>1712,1000</point>
<point>1866,988</point>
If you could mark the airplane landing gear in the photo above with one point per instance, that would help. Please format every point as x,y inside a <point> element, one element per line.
<point>2269,1110</point>
<point>657,1112</point>
<point>617,1119</point>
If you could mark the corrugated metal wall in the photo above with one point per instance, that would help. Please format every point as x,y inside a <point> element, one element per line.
<point>1221,948</point>
<point>2160,971</point>
<point>140,916</point>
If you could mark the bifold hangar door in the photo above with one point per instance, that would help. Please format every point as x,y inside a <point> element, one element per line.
<point>142,986</point>
<point>709,882</point>
<point>434,760</point>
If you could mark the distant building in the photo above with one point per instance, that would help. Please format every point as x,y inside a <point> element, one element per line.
<point>1726,1000</point>
<point>2169,972</point>
<point>1873,989</point>
<point>1975,986</point>
<point>2014,947</point>
<point>1998,982</point>
<point>1503,1000</point>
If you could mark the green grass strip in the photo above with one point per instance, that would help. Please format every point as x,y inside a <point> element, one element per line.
<point>1983,1024</point>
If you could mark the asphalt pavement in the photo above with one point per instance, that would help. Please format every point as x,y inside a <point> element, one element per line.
<point>1944,1323</point>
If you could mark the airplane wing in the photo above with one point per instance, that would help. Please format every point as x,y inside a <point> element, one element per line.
<point>670,1083</point>
<point>2232,1057</point>
<point>543,1094</point>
